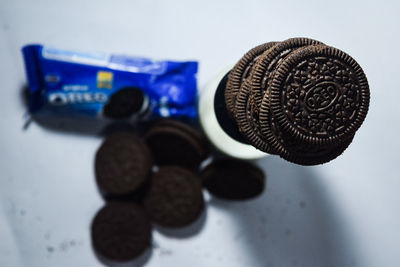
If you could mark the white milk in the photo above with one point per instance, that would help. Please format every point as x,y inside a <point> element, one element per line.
<point>217,136</point>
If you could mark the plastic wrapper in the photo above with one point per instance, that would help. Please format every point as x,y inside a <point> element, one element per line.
<point>107,86</point>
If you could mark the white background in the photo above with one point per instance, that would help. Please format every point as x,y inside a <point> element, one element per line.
<point>344,213</point>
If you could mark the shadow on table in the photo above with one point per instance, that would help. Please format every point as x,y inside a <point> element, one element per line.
<point>186,231</point>
<point>137,262</point>
<point>85,126</point>
<point>293,223</point>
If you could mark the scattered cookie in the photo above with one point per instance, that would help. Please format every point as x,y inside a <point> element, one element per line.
<point>171,145</point>
<point>124,103</point>
<point>175,197</point>
<point>233,179</point>
<point>121,231</point>
<point>122,164</point>
<point>200,137</point>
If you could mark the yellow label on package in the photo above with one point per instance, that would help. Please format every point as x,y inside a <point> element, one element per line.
<point>104,79</point>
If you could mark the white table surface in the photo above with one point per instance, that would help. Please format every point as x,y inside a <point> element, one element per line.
<point>344,213</point>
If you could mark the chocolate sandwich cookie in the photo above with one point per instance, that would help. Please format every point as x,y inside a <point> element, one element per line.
<point>240,72</point>
<point>308,155</point>
<point>294,151</point>
<point>121,231</point>
<point>174,146</point>
<point>248,99</point>
<point>200,137</point>
<point>175,197</point>
<point>319,96</point>
<point>122,164</point>
<point>264,69</point>
<point>247,124</point>
<point>226,120</point>
<point>124,103</point>
<point>233,179</point>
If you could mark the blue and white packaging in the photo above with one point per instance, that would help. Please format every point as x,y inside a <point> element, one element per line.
<point>72,83</point>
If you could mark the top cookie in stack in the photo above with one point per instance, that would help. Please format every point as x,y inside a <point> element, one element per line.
<point>300,99</point>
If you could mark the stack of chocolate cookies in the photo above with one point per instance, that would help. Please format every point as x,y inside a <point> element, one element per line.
<point>300,99</point>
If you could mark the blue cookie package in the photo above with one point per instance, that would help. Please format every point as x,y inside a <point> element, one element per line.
<point>102,85</point>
